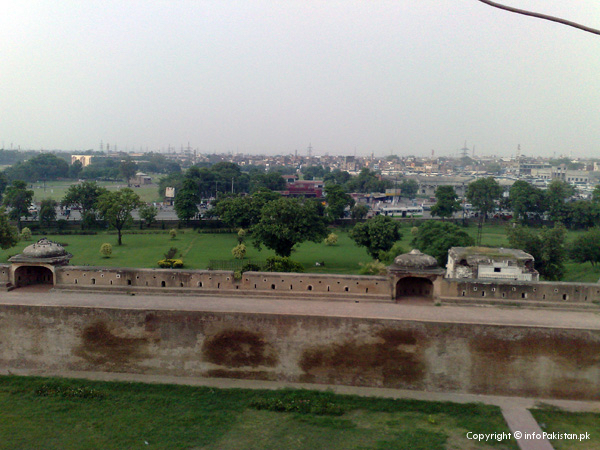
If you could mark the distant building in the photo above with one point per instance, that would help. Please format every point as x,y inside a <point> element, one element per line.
<point>85,160</point>
<point>141,179</point>
<point>491,263</point>
<point>305,188</point>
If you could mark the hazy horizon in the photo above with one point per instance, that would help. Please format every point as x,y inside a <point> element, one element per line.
<point>272,77</point>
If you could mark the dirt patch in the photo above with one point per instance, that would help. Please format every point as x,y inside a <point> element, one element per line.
<point>239,348</point>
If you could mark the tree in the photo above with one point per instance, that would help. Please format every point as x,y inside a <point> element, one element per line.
<point>18,198</point>
<point>556,197</point>
<point>47,214</point>
<point>116,208</point>
<point>409,188</point>
<point>239,251</point>
<point>523,198</point>
<point>483,194</point>
<point>286,222</point>
<point>447,202</point>
<point>337,201</point>
<point>84,196</point>
<point>9,235</point>
<point>186,200</point>
<point>359,212</point>
<point>586,247</point>
<point>436,238</point>
<point>547,246</point>
<point>148,214</point>
<point>243,212</point>
<point>377,234</point>
<point>127,169</point>
<point>75,169</point>
<point>45,166</point>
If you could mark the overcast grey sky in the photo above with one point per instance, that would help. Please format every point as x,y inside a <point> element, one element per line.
<point>266,76</point>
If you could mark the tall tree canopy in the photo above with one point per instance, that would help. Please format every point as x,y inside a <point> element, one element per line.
<point>116,208</point>
<point>436,238</point>
<point>289,221</point>
<point>18,198</point>
<point>447,202</point>
<point>546,245</point>
<point>377,234</point>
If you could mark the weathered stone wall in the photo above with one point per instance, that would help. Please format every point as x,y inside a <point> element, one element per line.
<point>215,282</point>
<point>541,291</point>
<point>469,358</point>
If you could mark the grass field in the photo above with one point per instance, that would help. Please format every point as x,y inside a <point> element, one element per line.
<point>197,249</point>
<point>553,421</point>
<point>56,190</point>
<point>49,414</point>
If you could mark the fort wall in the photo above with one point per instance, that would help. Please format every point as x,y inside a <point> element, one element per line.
<point>434,356</point>
<point>214,282</point>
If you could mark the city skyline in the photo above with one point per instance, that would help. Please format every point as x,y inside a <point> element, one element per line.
<point>275,77</point>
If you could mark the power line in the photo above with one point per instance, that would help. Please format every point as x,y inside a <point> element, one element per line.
<point>541,16</point>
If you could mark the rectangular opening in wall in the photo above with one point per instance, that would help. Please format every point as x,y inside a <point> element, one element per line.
<point>523,294</point>
<point>503,294</point>
<point>464,293</point>
<point>565,297</point>
<point>129,282</point>
<point>93,281</point>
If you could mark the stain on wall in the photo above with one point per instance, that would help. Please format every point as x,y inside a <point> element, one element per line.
<point>102,346</point>
<point>239,348</point>
<point>393,360</point>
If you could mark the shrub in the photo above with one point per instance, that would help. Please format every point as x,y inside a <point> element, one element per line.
<point>106,250</point>
<point>251,267</point>
<point>389,256</point>
<point>56,390</point>
<point>173,233</point>
<point>239,251</point>
<point>414,231</point>
<point>241,235</point>
<point>25,234</point>
<point>282,264</point>
<point>373,268</point>
<point>170,263</point>
<point>171,253</point>
<point>331,239</point>
<point>299,403</point>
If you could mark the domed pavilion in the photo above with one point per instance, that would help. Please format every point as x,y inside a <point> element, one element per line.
<point>37,262</point>
<point>415,274</point>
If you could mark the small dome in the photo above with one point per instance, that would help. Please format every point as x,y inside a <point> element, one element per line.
<point>44,248</point>
<point>415,260</point>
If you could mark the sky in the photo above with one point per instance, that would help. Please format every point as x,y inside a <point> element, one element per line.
<point>272,77</point>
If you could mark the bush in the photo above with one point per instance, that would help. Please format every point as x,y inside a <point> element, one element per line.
<point>173,233</point>
<point>25,234</point>
<point>170,263</point>
<point>239,251</point>
<point>282,264</point>
<point>389,256</point>
<point>241,235</point>
<point>171,253</point>
<point>373,268</point>
<point>299,403</point>
<point>251,267</point>
<point>331,239</point>
<point>414,231</point>
<point>57,390</point>
<point>106,250</point>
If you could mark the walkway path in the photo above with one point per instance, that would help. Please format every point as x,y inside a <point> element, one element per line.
<point>377,310</point>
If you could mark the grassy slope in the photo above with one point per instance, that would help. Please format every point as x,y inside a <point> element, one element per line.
<point>203,418</point>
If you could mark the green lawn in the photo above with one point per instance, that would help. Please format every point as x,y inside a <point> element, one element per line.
<point>554,421</point>
<point>65,414</point>
<point>197,249</point>
<point>56,190</point>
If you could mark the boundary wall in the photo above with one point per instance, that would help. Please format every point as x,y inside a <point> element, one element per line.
<point>215,282</point>
<point>404,354</point>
